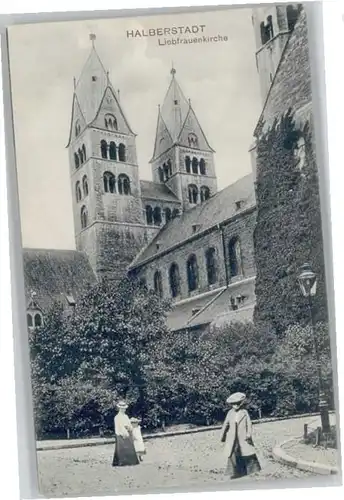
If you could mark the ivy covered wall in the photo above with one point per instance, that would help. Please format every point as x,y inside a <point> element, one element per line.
<point>288,231</point>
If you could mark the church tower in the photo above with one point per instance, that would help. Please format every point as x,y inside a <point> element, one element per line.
<point>182,159</point>
<point>272,27</point>
<point>108,217</point>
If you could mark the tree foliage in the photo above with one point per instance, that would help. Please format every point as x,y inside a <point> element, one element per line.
<point>116,345</point>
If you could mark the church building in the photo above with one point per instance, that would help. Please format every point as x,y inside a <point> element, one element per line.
<point>177,233</point>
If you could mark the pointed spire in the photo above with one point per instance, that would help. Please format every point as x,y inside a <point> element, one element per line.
<point>74,82</point>
<point>175,106</point>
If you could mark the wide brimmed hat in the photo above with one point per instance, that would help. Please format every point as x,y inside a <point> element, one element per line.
<point>236,398</point>
<point>121,405</point>
<point>135,420</point>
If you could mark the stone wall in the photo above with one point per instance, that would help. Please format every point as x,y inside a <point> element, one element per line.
<point>217,238</point>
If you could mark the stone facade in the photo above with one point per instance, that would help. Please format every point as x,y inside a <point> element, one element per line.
<point>179,221</point>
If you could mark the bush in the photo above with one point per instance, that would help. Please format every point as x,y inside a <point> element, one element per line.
<point>117,345</point>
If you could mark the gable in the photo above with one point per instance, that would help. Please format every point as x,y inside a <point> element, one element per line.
<point>77,118</point>
<point>110,109</point>
<point>291,86</point>
<point>163,139</point>
<point>191,130</point>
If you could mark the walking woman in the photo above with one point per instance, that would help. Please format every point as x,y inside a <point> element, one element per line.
<point>125,453</point>
<point>236,433</point>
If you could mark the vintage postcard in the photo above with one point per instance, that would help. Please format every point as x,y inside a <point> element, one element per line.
<point>176,298</point>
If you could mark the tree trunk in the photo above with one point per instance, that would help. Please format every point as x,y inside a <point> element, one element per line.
<point>68,433</point>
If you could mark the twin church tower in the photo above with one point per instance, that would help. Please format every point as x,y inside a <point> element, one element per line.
<point>115,213</point>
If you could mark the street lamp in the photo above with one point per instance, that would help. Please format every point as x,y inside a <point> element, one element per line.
<point>308,285</point>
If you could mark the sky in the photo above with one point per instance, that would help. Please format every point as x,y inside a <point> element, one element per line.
<point>220,78</point>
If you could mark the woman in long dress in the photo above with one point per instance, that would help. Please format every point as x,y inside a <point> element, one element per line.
<point>239,449</point>
<point>125,453</point>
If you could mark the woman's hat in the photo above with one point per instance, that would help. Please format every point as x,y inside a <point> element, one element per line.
<point>237,397</point>
<point>135,420</point>
<point>122,405</point>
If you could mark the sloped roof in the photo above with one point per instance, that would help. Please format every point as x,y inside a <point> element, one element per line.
<point>192,125</point>
<point>219,310</point>
<point>291,86</point>
<point>182,313</point>
<point>91,86</point>
<point>53,274</point>
<point>175,107</point>
<point>163,140</point>
<point>156,191</point>
<point>217,209</point>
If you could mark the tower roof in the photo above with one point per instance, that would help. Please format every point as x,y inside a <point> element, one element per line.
<point>90,90</point>
<point>91,85</point>
<point>176,121</point>
<point>175,107</point>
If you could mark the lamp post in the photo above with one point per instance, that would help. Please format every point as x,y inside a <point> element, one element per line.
<point>308,283</point>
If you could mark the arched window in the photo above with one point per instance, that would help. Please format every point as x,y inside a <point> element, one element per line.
<point>166,172</point>
<point>266,30</point>
<point>234,256</point>
<point>83,217</point>
<point>193,141</point>
<point>193,194</point>
<point>210,257</point>
<point>169,167</point>
<point>205,193</point>
<point>168,214</point>
<point>174,280</point>
<point>29,320</point>
<point>85,185</point>
<point>78,194</point>
<point>263,33</point>
<point>157,216</point>
<point>103,148</point>
<point>81,156</point>
<point>188,164</point>
<point>112,150</point>
<point>76,160</point>
<point>121,152</point>
<point>194,165</point>
<point>109,182</point>
<point>110,122</point>
<point>158,284</point>
<point>38,320</point>
<point>84,152</point>
<point>175,213</point>
<point>192,272</point>
<point>292,15</point>
<point>77,128</point>
<point>161,174</point>
<point>123,184</point>
<point>149,214</point>
<point>202,169</point>
<point>270,28</point>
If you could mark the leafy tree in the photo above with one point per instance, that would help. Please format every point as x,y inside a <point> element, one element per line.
<point>109,337</point>
<point>295,369</point>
